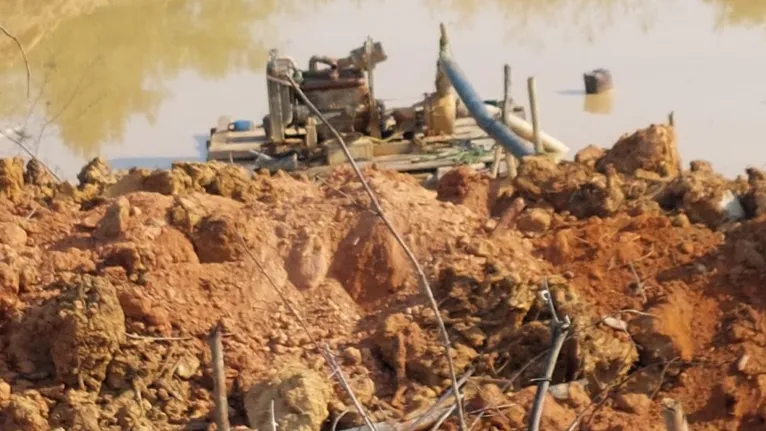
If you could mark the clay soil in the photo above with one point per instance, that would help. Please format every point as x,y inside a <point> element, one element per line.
<point>109,289</point>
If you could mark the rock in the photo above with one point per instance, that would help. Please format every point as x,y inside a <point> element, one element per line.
<point>635,403</point>
<point>77,413</point>
<point>11,178</point>
<point>37,174</point>
<point>187,366</point>
<point>308,261</point>
<point>167,182</point>
<point>115,221</point>
<point>667,333</point>
<point>11,234</point>
<point>26,412</point>
<point>217,240</point>
<point>352,356</point>
<point>651,149</point>
<point>97,172</point>
<point>571,393</point>
<point>90,329</point>
<point>300,397</point>
<point>9,279</point>
<point>5,394</point>
<point>534,220</point>
<point>590,156</point>
<point>363,387</point>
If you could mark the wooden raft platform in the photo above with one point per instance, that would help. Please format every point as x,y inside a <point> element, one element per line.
<point>423,153</point>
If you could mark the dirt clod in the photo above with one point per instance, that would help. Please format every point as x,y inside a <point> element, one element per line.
<point>300,399</point>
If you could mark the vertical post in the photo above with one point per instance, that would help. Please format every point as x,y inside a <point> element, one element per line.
<point>219,380</point>
<point>510,161</point>
<point>672,119</point>
<point>532,90</point>
<point>506,109</point>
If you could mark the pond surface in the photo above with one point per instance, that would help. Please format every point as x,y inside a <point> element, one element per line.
<point>140,82</point>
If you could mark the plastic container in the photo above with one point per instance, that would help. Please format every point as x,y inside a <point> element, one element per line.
<point>241,126</point>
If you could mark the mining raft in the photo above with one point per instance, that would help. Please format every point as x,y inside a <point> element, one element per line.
<point>425,139</point>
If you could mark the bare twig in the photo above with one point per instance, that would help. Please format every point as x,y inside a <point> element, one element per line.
<point>31,155</point>
<point>559,329</point>
<point>427,415</point>
<point>23,54</point>
<point>673,413</point>
<point>219,379</point>
<point>662,377</point>
<point>302,322</point>
<point>145,337</point>
<point>639,290</point>
<point>423,279</point>
<point>337,372</point>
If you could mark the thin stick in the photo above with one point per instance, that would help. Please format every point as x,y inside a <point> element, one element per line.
<point>273,418</point>
<point>302,322</point>
<point>423,279</point>
<point>23,54</point>
<point>145,337</point>
<point>219,379</point>
<point>559,329</point>
<point>532,89</point>
<point>330,358</point>
<point>428,413</point>
<point>673,413</point>
<point>31,155</point>
<point>672,119</point>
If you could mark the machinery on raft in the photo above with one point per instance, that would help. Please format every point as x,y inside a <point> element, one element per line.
<point>449,127</point>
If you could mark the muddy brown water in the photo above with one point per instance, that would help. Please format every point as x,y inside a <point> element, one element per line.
<point>140,82</point>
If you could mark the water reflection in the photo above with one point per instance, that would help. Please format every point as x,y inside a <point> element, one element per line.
<point>739,12</point>
<point>601,104</point>
<point>98,66</point>
<point>531,19</point>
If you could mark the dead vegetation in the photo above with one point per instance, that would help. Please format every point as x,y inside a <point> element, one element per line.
<point>109,289</point>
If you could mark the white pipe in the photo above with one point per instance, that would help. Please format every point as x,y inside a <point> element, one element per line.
<point>524,129</point>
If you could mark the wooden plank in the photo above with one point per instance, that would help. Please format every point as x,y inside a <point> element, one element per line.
<point>390,148</point>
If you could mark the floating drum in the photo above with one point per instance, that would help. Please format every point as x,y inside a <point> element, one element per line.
<point>597,81</point>
<point>240,126</point>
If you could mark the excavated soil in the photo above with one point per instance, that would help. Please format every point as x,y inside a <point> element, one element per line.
<point>109,288</point>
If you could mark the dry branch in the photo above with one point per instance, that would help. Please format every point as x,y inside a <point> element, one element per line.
<point>423,280</point>
<point>219,379</point>
<point>23,54</point>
